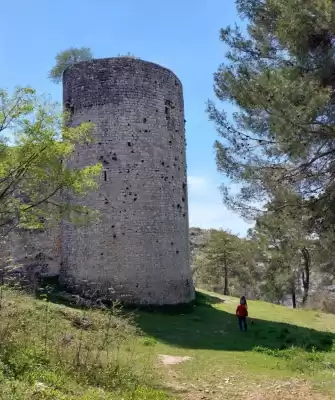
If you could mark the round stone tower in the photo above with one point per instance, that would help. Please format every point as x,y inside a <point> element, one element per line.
<point>138,250</point>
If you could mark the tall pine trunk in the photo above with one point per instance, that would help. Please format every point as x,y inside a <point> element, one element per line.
<point>226,282</point>
<point>306,274</point>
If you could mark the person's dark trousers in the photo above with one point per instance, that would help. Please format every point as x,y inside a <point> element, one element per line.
<point>242,321</point>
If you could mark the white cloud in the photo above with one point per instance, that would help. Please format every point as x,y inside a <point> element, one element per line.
<point>197,184</point>
<point>207,210</point>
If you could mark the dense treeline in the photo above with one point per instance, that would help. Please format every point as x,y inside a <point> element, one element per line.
<point>267,265</point>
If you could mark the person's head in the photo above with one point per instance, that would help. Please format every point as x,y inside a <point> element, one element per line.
<point>243,300</point>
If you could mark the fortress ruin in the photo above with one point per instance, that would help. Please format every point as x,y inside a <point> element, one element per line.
<point>138,250</point>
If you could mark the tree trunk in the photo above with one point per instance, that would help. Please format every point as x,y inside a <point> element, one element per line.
<point>306,274</point>
<point>294,298</point>
<point>226,283</point>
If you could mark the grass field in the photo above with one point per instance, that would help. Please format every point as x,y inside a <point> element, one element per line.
<point>285,353</point>
<point>50,351</point>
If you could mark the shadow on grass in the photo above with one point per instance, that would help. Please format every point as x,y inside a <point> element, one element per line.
<point>201,326</point>
<point>209,328</point>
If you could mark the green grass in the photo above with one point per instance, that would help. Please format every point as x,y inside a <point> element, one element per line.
<point>281,344</point>
<point>51,351</point>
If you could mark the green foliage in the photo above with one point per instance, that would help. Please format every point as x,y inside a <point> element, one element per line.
<point>43,355</point>
<point>35,142</point>
<point>66,58</point>
<point>226,263</point>
<point>280,77</point>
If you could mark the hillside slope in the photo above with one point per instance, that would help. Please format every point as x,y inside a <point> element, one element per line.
<point>285,354</point>
<point>50,351</point>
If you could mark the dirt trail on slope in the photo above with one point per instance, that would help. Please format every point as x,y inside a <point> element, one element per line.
<point>234,388</point>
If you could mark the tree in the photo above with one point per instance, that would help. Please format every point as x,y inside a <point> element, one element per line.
<point>281,77</point>
<point>34,142</point>
<point>66,58</point>
<point>225,257</point>
<point>288,248</point>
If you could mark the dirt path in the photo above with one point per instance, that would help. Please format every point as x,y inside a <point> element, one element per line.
<point>233,388</point>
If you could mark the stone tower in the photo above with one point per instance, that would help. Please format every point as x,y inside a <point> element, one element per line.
<point>138,251</point>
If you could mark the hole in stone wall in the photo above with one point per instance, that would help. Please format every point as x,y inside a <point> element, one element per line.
<point>105,176</point>
<point>177,251</point>
<point>129,144</point>
<point>144,120</point>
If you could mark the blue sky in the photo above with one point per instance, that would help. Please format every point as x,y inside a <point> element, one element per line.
<point>182,35</point>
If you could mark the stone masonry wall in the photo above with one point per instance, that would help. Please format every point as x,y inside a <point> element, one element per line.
<point>29,254</point>
<point>138,250</point>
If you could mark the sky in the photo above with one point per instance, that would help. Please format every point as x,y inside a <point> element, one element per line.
<point>182,35</point>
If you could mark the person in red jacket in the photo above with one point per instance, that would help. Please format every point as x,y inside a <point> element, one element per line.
<point>242,313</point>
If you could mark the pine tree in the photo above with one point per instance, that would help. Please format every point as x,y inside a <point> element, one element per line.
<point>280,75</point>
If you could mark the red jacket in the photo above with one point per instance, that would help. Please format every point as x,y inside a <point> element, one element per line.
<point>241,311</point>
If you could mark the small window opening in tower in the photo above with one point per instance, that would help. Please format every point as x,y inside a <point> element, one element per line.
<point>105,176</point>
